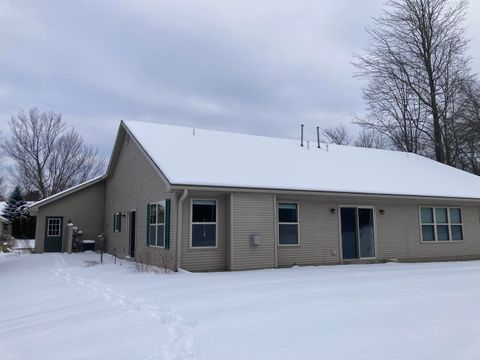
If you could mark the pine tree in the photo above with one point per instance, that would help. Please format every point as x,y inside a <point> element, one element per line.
<point>17,212</point>
<point>15,201</point>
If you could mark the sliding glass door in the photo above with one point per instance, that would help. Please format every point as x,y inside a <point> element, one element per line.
<point>358,233</point>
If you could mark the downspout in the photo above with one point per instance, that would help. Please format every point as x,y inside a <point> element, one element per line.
<point>275,232</point>
<point>178,263</point>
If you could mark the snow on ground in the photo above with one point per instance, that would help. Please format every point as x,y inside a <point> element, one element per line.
<point>23,244</point>
<point>59,306</point>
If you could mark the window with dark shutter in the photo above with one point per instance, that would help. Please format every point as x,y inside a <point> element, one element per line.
<point>156,224</point>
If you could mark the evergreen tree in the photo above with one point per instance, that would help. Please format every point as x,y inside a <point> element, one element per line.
<point>17,212</point>
<point>14,202</point>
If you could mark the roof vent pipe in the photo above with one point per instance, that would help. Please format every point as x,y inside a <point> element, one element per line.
<point>301,136</point>
<point>318,137</point>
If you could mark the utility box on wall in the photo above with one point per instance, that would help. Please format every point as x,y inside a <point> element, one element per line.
<point>255,240</point>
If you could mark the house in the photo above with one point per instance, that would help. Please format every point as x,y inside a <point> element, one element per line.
<point>5,229</point>
<point>222,201</point>
<point>5,225</point>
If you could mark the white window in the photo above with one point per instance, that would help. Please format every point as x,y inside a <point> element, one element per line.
<point>288,223</point>
<point>204,223</point>
<point>441,224</point>
<point>53,227</point>
<point>156,224</point>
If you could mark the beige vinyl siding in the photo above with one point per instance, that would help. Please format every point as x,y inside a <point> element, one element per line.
<point>318,235</point>
<point>133,184</point>
<point>205,259</point>
<point>243,214</point>
<point>402,239</point>
<point>395,229</point>
<point>398,230</point>
<point>229,234</point>
<point>253,214</point>
<point>84,208</point>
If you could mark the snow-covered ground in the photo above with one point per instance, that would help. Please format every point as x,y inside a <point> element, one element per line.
<point>58,306</point>
<point>23,244</point>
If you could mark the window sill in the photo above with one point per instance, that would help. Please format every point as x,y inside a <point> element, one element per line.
<point>288,245</point>
<point>156,246</point>
<point>443,242</point>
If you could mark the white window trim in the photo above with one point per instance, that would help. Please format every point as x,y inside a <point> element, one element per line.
<point>162,202</point>
<point>434,224</point>
<point>288,223</point>
<point>339,216</point>
<point>59,227</point>
<point>204,223</point>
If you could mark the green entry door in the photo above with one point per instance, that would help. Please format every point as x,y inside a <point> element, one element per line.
<point>53,234</point>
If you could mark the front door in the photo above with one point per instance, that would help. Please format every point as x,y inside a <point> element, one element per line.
<point>53,234</point>
<point>358,233</point>
<point>132,232</point>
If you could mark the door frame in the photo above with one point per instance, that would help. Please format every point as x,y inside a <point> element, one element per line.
<point>339,215</point>
<point>129,233</point>
<point>46,232</point>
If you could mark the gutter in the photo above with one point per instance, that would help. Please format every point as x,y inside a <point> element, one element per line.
<point>178,262</point>
<point>334,194</point>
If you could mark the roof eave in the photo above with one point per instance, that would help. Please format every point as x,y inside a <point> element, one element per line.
<point>179,187</point>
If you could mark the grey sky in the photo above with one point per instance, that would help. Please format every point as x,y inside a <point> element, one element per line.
<point>260,67</point>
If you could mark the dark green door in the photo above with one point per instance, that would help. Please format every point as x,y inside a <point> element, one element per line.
<point>132,232</point>
<point>53,234</point>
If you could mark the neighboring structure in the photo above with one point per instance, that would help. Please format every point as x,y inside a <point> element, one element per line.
<point>223,201</point>
<point>5,229</point>
<point>5,225</point>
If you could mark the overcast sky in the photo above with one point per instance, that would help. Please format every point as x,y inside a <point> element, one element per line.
<point>260,67</point>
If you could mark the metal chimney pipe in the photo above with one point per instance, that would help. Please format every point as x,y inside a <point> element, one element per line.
<point>318,137</point>
<point>301,138</point>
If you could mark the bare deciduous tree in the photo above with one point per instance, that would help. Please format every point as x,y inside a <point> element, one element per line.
<point>465,133</point>
<point>337,135</point>
<point>368,138</point>
<point>414,66</point>
<point>3,188</point>
<point>396,113</point>
<point>3,183</point>
<point>49,156</point>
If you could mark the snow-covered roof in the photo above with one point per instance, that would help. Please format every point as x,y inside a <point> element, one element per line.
<point>213,158</point>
